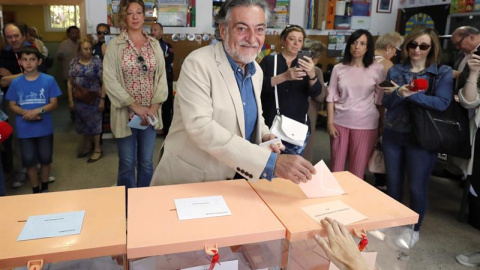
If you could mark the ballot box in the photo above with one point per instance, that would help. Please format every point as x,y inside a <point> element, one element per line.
<point>384,220</point>
<point>98,242</point>
<point>179,226</point>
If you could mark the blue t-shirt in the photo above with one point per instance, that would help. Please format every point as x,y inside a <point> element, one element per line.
<point>30,95</point>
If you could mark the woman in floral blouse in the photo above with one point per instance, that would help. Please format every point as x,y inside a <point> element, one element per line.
<point>135,80</point>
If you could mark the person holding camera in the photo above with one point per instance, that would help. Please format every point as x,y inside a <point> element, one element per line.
<point>354,105</point>
<point>295,80</point>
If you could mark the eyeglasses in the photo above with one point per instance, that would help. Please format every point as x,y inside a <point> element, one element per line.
<point>457,45</point>
<point>142,61</point>
<point>413,45</point>
<point>102,33</point>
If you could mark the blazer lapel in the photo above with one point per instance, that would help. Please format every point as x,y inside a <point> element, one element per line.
<point>227,73</point>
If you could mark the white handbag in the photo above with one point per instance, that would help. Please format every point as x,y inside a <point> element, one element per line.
<point>285,128</point>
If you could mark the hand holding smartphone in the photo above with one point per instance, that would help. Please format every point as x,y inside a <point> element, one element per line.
<point>302,53</point>
<point>386,83</point>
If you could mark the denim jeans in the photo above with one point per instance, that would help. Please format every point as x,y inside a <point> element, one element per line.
<point>136,152</point>
<point>403,156</point>
<point>292,149</point>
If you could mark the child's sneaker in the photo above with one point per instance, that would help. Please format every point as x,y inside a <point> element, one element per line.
<point>20,179</point>
<point>51,178</point>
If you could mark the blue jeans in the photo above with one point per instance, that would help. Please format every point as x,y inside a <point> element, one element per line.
<point>292,149</point>
<point>403,156</point>
<point>136,152</point>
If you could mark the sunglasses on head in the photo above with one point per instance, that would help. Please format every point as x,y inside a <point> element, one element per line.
<point>102,33</point>
<point>142,61</point>
<point>413,45</point>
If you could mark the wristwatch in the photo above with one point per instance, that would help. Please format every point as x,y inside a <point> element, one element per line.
<point>314,78</point>
<point>42,110</point>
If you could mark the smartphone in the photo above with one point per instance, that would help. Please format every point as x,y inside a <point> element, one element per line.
<point>386,83</point>
<point>303,53</point>
<point>477,52</point>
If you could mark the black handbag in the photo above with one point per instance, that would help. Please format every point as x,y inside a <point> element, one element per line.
<point>446,132</point>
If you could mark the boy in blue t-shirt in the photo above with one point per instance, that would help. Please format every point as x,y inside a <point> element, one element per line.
<point>32,97</point>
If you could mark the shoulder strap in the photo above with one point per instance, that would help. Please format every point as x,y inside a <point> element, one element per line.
<point>276,92</point>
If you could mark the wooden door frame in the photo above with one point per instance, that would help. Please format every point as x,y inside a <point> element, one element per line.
<point>81,3</point>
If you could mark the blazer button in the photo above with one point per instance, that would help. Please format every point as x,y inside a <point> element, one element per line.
<point>238,168</point>
<point>242,171</point>
<point>251,176</point>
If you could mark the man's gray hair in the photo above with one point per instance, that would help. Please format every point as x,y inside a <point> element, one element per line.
<point>223,16</point>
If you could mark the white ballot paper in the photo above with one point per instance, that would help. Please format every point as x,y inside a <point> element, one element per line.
<point>337,210</point>
<point>201,207</point>
<point>136,122</point>
<point>230,265</point>
<point>323,183</point>
<point>53,225</point>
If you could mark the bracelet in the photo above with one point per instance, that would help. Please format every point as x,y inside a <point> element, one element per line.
<point>314,78</point>
<point>471,81</point>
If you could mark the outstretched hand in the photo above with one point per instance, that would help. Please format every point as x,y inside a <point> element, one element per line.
<point>294,168</point>
<point>341,249</point>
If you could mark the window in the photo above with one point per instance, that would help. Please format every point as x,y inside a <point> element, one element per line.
<point>60,17</point>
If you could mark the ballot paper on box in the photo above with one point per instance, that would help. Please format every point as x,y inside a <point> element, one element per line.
<point>323,183</point>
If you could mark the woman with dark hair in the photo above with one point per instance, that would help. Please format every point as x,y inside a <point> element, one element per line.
<point>354,105</point>
<point>421,55</point>
<point>295,80</point>
<point>136,83</point>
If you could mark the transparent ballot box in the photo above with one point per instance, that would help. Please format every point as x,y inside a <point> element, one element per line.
<point>100,243</point>
<point>250,237</point>
<point>384,220</point>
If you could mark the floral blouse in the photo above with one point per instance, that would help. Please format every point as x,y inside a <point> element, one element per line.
<point>139,68</point>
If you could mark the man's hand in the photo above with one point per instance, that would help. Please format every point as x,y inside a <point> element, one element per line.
<point>294,168</point>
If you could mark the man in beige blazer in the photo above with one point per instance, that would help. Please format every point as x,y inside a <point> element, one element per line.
<point>212,136</point>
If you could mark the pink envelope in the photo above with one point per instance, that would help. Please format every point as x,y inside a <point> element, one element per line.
<point>323,183</point>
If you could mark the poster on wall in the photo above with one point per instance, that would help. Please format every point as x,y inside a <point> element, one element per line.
<point>336,43</point>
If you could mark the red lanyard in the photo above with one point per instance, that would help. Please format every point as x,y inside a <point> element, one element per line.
<point>18,62</point>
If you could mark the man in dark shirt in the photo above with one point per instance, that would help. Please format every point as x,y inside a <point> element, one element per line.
<point>15,36</point>
<point>103,29</point>
<point>156,30</point>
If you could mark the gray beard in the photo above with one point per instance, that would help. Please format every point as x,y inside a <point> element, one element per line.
<point>243,58</point>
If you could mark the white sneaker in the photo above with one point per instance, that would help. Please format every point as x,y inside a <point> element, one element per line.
<point>20,179</point>
<point>51,178</point>
<point>472,259</point>
<point>408,238</point>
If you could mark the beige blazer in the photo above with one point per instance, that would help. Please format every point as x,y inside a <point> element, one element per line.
<point>206,141</point>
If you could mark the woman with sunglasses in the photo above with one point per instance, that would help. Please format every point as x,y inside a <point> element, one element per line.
<point>353,105</point>
<point>136,83</point>
<point>403,156</point>
<point>295,79</point>
<point>86,72</point>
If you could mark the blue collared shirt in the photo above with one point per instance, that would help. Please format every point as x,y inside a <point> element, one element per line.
<point>250,111</point>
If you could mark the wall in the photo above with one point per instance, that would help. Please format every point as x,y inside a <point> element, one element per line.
<point>34,16</point>
<point>381,23</point>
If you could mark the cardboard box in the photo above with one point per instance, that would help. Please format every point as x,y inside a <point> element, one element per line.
<point>103,230</point>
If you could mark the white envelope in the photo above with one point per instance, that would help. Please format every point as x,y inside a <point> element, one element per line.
<point>323,183</point>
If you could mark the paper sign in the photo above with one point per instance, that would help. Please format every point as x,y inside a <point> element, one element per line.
<point>54,225</point>
<point>201,207</point>
<point>370,258</point>
<point>323,183</point>
<point>337,210</point>
<point>136,122</point>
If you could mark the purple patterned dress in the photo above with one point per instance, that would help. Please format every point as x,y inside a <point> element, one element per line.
<point>88,119</point>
